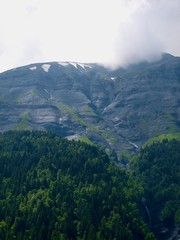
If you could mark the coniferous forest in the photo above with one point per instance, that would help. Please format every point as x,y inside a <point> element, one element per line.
<point>157,169</point>
<point>52,188</point>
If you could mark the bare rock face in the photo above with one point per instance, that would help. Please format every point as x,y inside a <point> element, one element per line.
<point>119,109</point>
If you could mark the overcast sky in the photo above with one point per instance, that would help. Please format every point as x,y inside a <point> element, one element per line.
<point>115,32</point>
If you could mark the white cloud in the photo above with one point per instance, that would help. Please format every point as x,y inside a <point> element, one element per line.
<point>110,31</point>
<point>151,28</point>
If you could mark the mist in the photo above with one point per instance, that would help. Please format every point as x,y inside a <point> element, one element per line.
<point>151,28</point>
<point>112,32</point>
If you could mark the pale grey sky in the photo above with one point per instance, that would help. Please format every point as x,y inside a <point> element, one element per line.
<point>114,32</point>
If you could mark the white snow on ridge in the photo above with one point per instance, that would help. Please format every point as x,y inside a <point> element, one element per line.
<point>74,64</point>
<point>33,68</point>
<point>64,64</point>
<point>46,67</point>
<point>84,65</point>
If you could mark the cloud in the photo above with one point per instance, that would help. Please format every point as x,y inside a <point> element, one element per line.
<point>152,27</point>
<point>115,32</point>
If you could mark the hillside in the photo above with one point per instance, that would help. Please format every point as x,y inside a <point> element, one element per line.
<point>52,188</point>
<point>118,109</point>
<point>157,168</point>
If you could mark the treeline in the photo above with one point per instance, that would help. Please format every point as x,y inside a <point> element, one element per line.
<point>52,188</point>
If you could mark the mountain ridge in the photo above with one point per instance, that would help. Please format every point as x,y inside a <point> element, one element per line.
<point>118,109</point>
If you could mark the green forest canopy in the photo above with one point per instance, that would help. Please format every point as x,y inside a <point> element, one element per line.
<point>52,188</point>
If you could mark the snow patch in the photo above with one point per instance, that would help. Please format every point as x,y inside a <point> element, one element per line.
<point>33,68</point>
<point>113,78</point>
<point>46,67</point>
<point>133,144</point>
<point>74,64</point>
<point>46,90</point>
<point>60,120</point>
<point>64,64</point>
<point>73,137</point>
<point>84,65</point>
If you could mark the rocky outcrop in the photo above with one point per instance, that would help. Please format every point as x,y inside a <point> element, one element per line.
<point>119,109</point>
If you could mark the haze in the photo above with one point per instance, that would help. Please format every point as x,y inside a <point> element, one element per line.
<point>112,32</point>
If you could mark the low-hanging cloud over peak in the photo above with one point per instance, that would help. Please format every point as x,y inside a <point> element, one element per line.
<point>113,32</point>
<point>151,28</point>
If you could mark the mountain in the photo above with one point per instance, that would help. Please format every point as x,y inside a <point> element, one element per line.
<point>118,109</point>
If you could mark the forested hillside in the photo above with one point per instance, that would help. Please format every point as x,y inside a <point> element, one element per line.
<point>52,188</point>
<point>157,169</point>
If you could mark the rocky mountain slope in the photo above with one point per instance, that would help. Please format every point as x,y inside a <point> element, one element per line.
<point>119,109</point>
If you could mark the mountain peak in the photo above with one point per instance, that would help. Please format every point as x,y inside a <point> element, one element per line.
<point>46,66</point>
<point>119,109</point>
